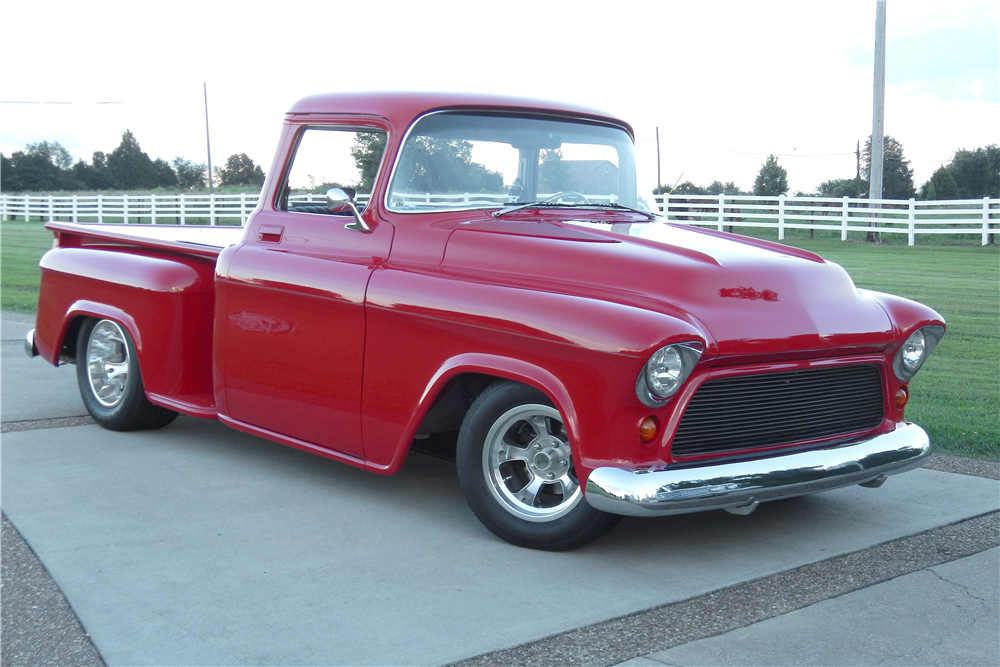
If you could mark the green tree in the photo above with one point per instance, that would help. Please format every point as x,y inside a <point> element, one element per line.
<point>685,188</point>
<point>190,175</point>
<point>240,170</point>
<point>553,176</point>
<point>772,179</point>
<point>129,167</point>
<point>976,173</point>
<point>166,177</point>
<point>843,187</point>
<point>727,188</point>
<point>431,164</point>
<point>944,186</point>
<point>897,177</point>
<point>367,153</point>
<point>42,166</point>
<point>927,191</point>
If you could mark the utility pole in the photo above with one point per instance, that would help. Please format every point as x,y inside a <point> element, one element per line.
<point>878,117</point>
<point>857,172</point>
<point>657,157</point>
<point>208,140</point>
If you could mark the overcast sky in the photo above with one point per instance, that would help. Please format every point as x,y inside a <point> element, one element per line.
<point>726,83</point>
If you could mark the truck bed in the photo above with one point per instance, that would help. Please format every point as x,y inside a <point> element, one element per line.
<point>189,239</point>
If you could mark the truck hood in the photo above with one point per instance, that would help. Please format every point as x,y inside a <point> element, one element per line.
<point>748,297</point>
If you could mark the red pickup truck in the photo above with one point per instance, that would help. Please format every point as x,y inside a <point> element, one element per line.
<point>507,280</point>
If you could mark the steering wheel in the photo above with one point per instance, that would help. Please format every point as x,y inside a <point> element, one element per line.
<point>568,197</point>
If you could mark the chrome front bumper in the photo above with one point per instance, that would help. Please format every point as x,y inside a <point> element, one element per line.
<point>741,486</point>
<point>29,344</point>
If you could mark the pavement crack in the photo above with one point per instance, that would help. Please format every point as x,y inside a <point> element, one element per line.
<point>963,587</point>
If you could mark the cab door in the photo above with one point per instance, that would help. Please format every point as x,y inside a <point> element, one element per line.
<point>294,329</point>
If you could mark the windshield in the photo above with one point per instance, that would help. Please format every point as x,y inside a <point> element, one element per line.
<point>457,160</point>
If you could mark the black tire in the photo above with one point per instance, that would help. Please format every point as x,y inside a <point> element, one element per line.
<point>107,371</point>
<point>515,468</point>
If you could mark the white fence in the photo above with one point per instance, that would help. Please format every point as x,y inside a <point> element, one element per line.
<point>978,217</point>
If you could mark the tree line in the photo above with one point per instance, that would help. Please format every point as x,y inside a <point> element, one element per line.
<point>47,166</point>
<point>970,175</point>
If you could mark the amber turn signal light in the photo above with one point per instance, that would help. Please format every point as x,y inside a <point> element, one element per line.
<point>902,396</point>
<point>647,429</point>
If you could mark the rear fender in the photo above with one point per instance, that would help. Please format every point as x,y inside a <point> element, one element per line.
<point>164,300</point>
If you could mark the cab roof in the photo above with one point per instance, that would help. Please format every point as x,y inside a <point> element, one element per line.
<point>403,108</point>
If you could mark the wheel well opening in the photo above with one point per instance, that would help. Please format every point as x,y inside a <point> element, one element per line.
<point>438,432</point>
<point>67,351</point>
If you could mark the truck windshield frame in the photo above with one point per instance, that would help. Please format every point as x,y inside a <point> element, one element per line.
<point>465,160</point>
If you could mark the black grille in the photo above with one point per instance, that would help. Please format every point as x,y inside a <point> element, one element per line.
<point>779,409</point>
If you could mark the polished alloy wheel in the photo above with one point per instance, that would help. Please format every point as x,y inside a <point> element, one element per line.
<point>107,363</point>
<point>528,464</point>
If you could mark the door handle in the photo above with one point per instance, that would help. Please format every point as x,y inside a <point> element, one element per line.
<point>270,233</point>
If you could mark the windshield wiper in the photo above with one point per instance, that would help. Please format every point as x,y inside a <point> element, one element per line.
<point>622,207</point>
<point>531,204</point>
<point>543,204</point>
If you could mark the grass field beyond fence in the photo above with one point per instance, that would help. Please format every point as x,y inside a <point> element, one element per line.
<point>956,396</point>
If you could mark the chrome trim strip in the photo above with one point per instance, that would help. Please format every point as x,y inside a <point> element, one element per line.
<point>29,344</point>
<point>651,493</point>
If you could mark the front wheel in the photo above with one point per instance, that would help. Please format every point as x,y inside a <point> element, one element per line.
<point>515,467</point>
<point>110,383</point>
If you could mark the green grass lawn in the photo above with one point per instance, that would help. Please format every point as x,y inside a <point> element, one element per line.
<point>22,244</point>
<point>955,396</point>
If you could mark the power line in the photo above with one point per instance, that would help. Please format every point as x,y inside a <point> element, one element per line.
<point>51,102</point>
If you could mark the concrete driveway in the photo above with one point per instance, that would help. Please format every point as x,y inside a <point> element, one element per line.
<point>200,545</point>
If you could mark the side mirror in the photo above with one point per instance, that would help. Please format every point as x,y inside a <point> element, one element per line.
<point>342,199</point>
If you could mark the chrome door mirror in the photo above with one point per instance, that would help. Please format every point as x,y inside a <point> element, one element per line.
<point>342,200</point>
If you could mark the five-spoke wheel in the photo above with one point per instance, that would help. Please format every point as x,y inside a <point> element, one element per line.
<point>515,466</point>
<point>528,462</point>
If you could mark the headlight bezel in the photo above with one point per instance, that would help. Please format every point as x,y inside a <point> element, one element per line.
<point>652,392</point>
<point>904,368</point>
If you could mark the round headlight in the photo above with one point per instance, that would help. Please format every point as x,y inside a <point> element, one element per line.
<point>665,371</point>
<point>913,352</point>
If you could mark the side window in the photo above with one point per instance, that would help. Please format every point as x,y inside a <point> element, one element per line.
<point>326,158</point>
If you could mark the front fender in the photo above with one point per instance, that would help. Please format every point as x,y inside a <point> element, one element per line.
<point>906,315</point>
<point>584,353</point>
<point>480,364</point>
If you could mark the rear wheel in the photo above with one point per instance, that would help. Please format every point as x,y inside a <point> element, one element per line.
<point>110,383</point>
<point>515,467</point>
